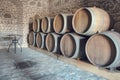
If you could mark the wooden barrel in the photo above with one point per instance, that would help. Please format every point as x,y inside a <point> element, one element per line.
<point>53,42</point>
<point>62,23</point>
<point>36,25</point>
<point>73,45</point>
<point>46,24</point>
<point>88,21</point>
<point>104,49</point>
<point>31,38</point>
<point>40,40</point>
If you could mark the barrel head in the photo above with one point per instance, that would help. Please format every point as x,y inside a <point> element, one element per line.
<point>68,45</point>
<point>44,24</point>
<point>81,20</point>
<point>38,40</point>
<point>50,42</point>
<point>100,50</point>
<point>58,23</point>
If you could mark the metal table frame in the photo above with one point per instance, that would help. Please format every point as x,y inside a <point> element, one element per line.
<point>14,42</point>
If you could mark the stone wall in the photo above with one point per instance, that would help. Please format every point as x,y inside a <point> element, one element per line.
<point>30,9</point>
<point>63,6</point>
<point>10,17</point>
<point>70,6</point>
<point>11,13</point>
<point>15,14</point>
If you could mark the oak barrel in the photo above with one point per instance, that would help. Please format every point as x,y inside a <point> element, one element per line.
<point>46,24</point>
<point>40,40</point>
<point>73,45</point>
<point>36,25</point>
<point>31,38</point>
<point>90,20</point>
<point>53,42</point>
<point>63,23</point>
<point>104,50</point>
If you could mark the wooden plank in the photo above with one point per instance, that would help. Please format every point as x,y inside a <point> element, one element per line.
<point>83,65</point>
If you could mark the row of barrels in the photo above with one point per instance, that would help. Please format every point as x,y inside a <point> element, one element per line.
<point>65,34</point>
<point>101,49</point>
<point>70,45</point>
<point>85,21</point>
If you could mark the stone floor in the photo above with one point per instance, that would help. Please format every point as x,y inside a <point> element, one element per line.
<point>32,65</point>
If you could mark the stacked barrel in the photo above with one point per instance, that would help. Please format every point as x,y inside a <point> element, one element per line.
<point>84,34</point>
<point>34,29</point>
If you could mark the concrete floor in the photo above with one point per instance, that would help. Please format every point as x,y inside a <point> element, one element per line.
<point>32,65</point>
